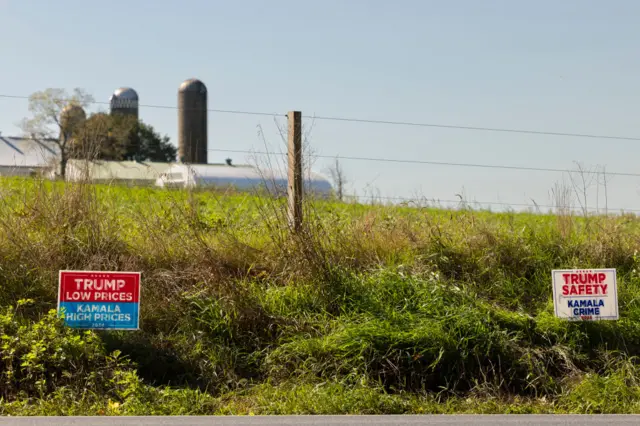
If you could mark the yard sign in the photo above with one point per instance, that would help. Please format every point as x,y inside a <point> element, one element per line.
<point>100,300</point>
<point>585,294</point>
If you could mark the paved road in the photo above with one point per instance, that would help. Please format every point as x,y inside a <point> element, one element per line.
<point>496,420</point>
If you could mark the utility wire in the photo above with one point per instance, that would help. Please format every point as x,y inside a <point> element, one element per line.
<point>483,129</point>
<point>387,122</point>
<point>435,163</point>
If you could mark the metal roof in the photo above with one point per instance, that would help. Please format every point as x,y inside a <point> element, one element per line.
<point>241,177</point>
<point>27,152</point>
<point>125,93</point>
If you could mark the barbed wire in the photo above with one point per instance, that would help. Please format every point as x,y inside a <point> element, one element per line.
<point>381,122</point>
<point>461,202</point>
<point>413,161</point>
<point>222,111</point>
<point>428,162</point>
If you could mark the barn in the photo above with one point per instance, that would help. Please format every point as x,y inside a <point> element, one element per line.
<point>21,156</point>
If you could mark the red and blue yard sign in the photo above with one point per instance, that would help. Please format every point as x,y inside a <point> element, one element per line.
<point>585,294</point>
<point>100,300</point>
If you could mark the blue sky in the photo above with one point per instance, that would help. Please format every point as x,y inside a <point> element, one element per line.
<point>558,66</point>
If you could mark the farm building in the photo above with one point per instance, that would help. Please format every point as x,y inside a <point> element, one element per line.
<point>241,177</point>
<point>129,172</point>
<point>20,156</point>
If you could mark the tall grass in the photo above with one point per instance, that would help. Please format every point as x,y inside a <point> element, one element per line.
<point>368,309</point>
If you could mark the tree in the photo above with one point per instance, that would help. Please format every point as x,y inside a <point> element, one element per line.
<point>120,137</point>
<point>93,139</point>
<point>57,115</point>
<point>339,179</point>
<point>103,137</point>
<point>145,144</point>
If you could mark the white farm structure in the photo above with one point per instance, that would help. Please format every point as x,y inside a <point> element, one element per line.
<point>239,177</point>
<point>21,156</point>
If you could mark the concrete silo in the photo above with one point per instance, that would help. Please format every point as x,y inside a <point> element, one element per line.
<point>71,118</point>
<point>124,101</point>
<point>192,122</point>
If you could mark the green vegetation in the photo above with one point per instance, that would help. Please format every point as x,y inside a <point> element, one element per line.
<point>371,309</point>
<point>120,138</point>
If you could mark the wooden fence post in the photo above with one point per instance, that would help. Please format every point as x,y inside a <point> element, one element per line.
<point>294,157</point>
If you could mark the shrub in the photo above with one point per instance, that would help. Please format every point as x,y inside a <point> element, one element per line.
<point>41,357</point>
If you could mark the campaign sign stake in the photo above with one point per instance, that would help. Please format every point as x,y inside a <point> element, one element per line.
<point>585,294</point>
<point>100,300</point>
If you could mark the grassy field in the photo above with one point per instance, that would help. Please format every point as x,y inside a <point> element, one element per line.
<point>371,309</point>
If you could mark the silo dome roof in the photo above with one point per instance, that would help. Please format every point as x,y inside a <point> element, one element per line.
<point>125,93</point>
<point>73,109</point>
<point>193,85</point>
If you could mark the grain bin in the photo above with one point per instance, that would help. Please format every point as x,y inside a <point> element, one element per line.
<point>124,101</point>
<point>71,118</point>
<point>192,122</point>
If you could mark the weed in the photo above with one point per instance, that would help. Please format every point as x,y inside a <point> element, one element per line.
<point>368,309</point>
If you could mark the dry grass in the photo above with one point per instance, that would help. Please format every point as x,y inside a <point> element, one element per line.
<point>424,304</point>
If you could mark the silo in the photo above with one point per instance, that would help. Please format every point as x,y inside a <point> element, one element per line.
<point>124,101</point>
<point>192,122</point>
<point>71,117</point>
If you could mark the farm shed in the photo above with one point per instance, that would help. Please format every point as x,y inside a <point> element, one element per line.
<point>20,156</point>
<point>240,177</point>
<point>127,172</point>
